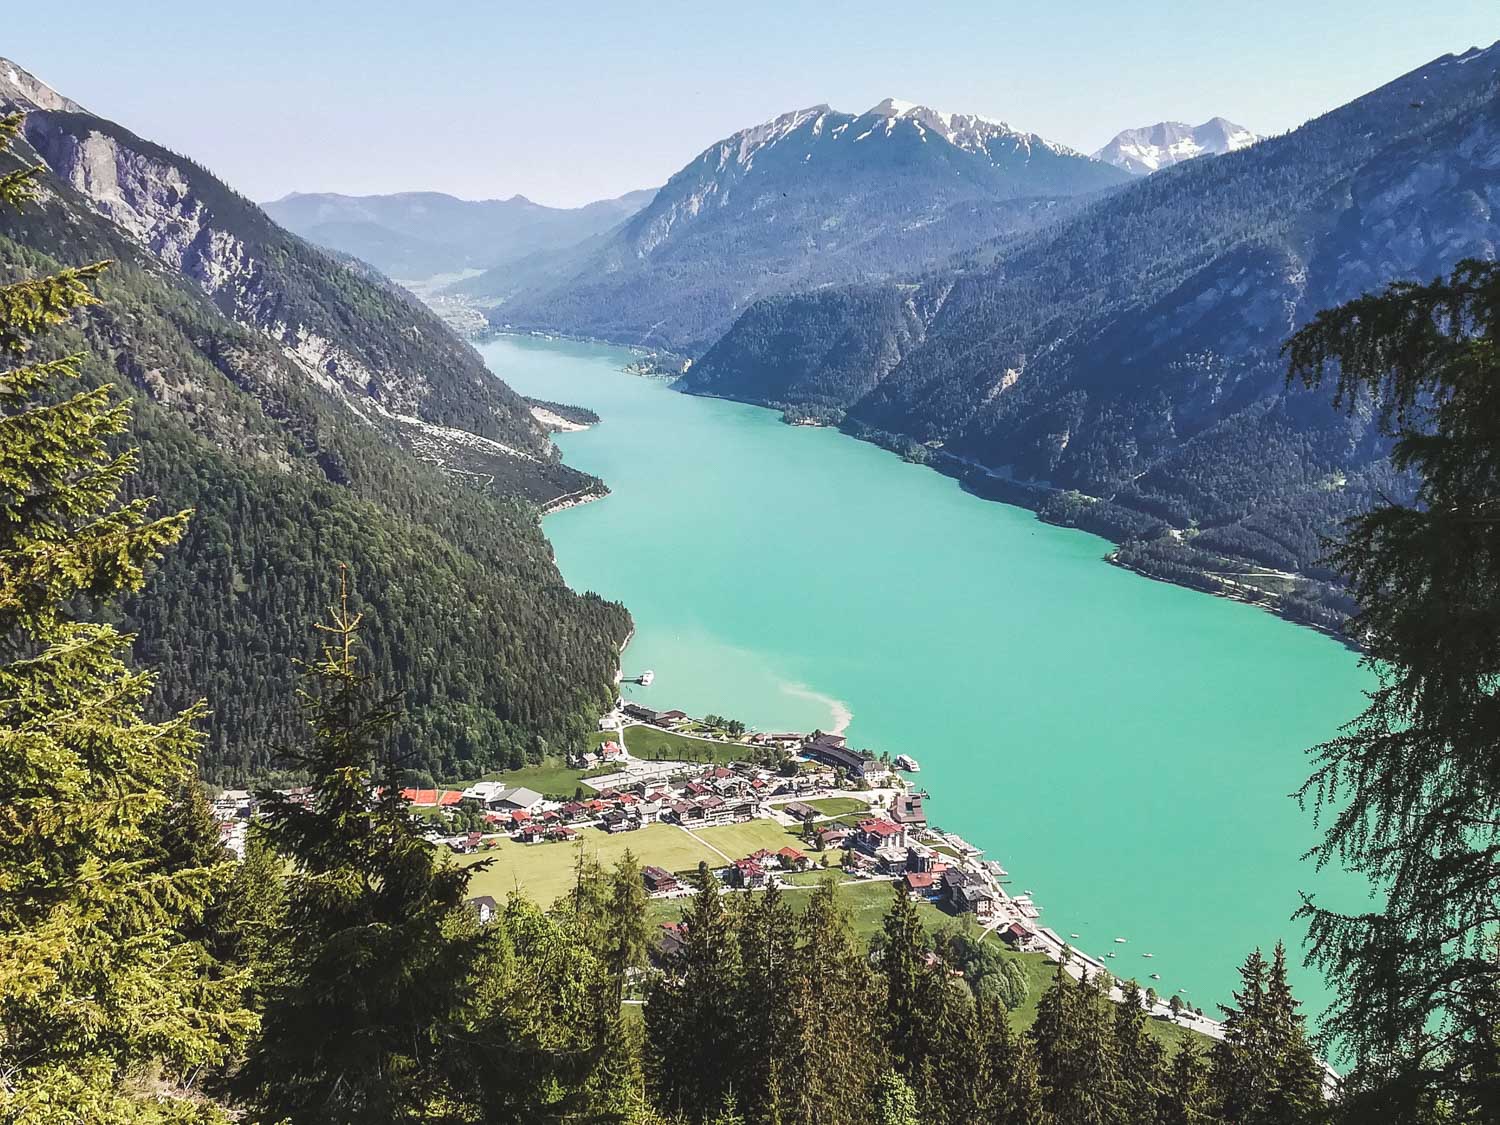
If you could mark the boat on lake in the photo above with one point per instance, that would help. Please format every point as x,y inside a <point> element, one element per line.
<point>1119,941</point>
<point>907,764</point>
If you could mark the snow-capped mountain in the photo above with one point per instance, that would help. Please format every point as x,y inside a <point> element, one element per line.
<point>1154,147</point>
<point>811,197</point>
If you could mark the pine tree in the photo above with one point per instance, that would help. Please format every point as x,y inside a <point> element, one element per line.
<point>98,983</point>
<point>371,974</point>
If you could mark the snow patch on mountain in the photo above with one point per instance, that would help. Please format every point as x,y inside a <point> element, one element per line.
<point>1154,147</point>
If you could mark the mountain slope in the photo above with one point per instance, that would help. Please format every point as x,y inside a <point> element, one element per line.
<point>304,409</point>
<point>1130,352</point>
<point>1154,147</point>
<point>811,197</point>
<point>416,235</point>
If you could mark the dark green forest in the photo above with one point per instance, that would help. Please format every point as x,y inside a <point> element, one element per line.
<point>467,618</point>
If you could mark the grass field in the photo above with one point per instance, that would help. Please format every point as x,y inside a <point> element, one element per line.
<point>839,806</point>
<point>653,742</point>
<point>544,871</point>
<point>553,778</point>
<point>739,840</point>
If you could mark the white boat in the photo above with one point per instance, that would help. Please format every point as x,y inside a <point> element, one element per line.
<point>1072,935</point>
<point>1148,955</point>
<point>1156,976</point>
<point>1111,953</point>
<point>907,764</point>
<point>1119,941</point>
<point>646,677</point>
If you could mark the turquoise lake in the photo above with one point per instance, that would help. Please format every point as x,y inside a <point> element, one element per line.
<point>1124,747</point>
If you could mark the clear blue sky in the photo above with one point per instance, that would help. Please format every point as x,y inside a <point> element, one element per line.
<point>567,102</point>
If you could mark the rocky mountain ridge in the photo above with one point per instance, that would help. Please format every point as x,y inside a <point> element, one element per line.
<point>812,197</point>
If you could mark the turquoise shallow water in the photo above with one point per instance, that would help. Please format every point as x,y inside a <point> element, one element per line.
<point>1124,747</point>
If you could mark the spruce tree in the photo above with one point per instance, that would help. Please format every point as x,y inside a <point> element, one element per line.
<point>1076,1059</point>
<point>767,952</point>
<point>1011,1092</point>
<point>903,960</point>
<point>1407,793</point>
<point>834,1057</point>
<point>692,1020</point>
<point>371,968</point>
<point>100,983</point>
<point>1184,1095</point>
<point>1263,1071</point>
<point>1140,1058</point>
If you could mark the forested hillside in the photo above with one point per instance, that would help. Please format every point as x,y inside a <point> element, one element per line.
<point>1120,368</point>
<point>312,415</point>
<point>810,198</point>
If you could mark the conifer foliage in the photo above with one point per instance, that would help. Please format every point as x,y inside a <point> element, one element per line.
<point>1409,791</point>
<point>104,1003</point>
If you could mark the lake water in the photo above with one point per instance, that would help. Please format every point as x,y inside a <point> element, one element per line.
<point>1124,747</point>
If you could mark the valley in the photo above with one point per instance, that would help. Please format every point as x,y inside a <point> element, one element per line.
<point>1089,729</point>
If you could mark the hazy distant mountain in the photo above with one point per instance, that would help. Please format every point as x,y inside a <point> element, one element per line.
<point>419,234</point>
<point>1154,147</point>
<point>1121,369</point>
<point>810,197</point>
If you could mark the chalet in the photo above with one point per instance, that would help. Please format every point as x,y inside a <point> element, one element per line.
<point>573,810</point>
<point>648,811</point>
<point>618,820</point>
<point>670,718</point>
<point>670,941</point>
<point>876,832</point>
<point>834,838</point>
<point>921,883</point>
<point>485,907</point>
<point>639,713</point>
<point>688,813</point>
<point>561,833</point>
<point>610,750</point>
<point>907,810</point>
<point>792,859</point>
<point>530,833</point>
<point>747,874</point>
<point>800,810</point>
<point>1017,934</point>
<point>659,881</point>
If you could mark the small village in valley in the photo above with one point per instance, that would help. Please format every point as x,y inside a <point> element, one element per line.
<point>791,809</point>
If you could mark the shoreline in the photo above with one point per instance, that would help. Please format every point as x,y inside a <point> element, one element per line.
<point>1031,496</point>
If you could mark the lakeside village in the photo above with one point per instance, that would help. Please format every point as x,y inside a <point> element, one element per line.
<point>854,813</point>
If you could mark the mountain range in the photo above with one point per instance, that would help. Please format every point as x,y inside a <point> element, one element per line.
<point>812,197</point>
<point>1119,368</point>
<point>313,414</point>
<point>1154,147</point>
<point>419,234</point>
